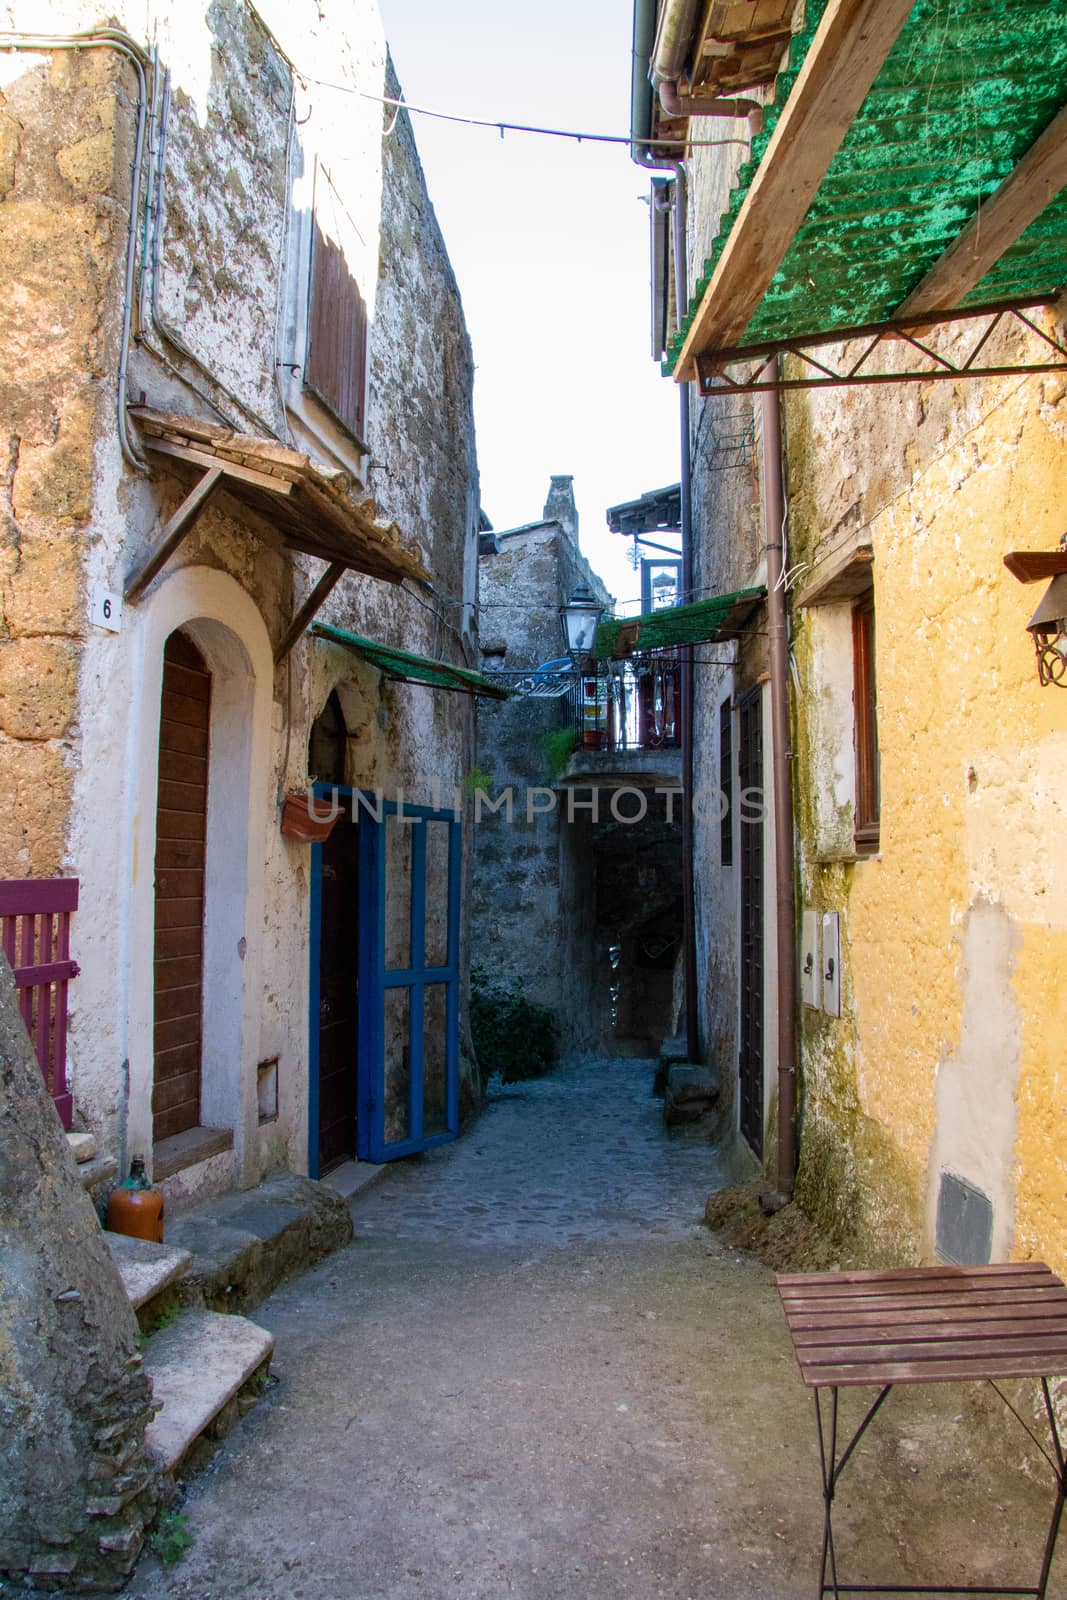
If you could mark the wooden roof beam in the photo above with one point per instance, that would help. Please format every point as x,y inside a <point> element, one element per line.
<point>844,58</point>
<point>1003,218</point>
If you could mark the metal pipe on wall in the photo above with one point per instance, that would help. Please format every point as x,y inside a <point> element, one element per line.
<point>689,938</point>
<point>782,787</point>
<point>641,117</point>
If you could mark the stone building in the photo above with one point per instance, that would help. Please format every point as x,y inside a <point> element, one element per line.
<point>577,895</point>
<point>873,431</point>
<point>530,923</point>
<point>237,397</point>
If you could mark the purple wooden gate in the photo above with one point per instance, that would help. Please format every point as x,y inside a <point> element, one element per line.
<point>35,933</point>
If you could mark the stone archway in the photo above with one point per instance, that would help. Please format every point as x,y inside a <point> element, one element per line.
<point>225,627</point>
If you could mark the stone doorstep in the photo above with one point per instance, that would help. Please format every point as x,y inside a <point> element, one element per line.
<point>197,1365</point>
<point>244,1243</point>
<point>674,1052</point>
<point>352,1177</point>
<point>146,1269</point>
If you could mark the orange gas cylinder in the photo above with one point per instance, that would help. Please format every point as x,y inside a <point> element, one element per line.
<point>135,1207</point>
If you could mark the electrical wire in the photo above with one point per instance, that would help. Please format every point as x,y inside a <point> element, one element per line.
<point>514,127</point>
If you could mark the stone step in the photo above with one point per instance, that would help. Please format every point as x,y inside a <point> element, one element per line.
<point>82,1146</point>
<point>243,1245</point>
<point>147,1270</point>
<point>672,1053</point>
<point>691,1094</point>
<point>352,1177</point>
<point>199,1365</point>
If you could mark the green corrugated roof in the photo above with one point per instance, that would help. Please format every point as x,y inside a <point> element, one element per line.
<point>700,623</point>
<point>966,90</point>
<point>407,668</point>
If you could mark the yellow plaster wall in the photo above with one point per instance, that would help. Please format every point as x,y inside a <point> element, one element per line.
<point>974,781</point>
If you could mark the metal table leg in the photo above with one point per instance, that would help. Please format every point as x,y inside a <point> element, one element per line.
<point>1061,1493</point>
<point>831,1472</point>
<point>832,1468</point>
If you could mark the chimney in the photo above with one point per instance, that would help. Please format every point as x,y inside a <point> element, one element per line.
<point>560,506</point>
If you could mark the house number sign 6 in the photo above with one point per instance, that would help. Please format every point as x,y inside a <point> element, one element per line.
<point>105,608</point>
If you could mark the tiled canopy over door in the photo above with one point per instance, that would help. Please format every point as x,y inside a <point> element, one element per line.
<point>180,835</point>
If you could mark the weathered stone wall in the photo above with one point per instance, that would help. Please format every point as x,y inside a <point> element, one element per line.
<point>219,298</point>
<point>533,898</point>
<point>76,1488</point>
<point>728,554</point>
<point>951,936</point>
<point>943,1058</point>
<point>64,195</point>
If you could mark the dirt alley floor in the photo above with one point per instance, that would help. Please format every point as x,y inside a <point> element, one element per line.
<point>535,1373</point>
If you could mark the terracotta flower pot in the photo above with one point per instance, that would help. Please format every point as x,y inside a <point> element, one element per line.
<point>299,823</point>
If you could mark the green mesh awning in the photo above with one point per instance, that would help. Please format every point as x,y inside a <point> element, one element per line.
<point>703,622</point>
<point>404,667</point>
<point>966,90</point>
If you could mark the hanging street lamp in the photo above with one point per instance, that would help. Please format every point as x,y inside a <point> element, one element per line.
<point>579,619</point>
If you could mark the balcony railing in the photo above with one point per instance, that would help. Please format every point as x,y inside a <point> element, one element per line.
<point>631,705</point>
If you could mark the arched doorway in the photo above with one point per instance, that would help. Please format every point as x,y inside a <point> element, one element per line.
<point>181,837</point>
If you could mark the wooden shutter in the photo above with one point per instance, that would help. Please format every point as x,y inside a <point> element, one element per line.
<point>336,366</point>
<point>865,700</point>
<point>181,825</point>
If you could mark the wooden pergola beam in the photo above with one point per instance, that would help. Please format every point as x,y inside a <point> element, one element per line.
<point>1003,218</point>
<point>846,55</point>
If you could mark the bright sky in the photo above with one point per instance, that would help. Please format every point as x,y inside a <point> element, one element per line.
<point>549,242</point>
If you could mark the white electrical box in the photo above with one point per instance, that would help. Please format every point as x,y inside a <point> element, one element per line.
<point>831,963</point>
<point>810,975</point>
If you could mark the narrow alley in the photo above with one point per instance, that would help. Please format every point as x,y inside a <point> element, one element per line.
<point>535,1373</point>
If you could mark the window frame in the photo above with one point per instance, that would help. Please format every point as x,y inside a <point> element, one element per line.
<point>868,796</point>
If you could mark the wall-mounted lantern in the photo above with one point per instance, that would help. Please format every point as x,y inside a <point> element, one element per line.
<point>579,619</point>
<point>1048,625</point>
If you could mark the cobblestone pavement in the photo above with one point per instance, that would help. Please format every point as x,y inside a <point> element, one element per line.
<point>578,1156</point>
<point>534,1376</point>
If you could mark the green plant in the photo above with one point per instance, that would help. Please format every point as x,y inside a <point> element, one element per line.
<point>171,1537</point>
<point>164,1320</point>
<point>558,747</point>
<point>512,1035</point>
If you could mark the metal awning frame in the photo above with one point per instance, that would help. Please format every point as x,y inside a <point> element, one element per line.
<point>760,373</point>
<point>404,666</point>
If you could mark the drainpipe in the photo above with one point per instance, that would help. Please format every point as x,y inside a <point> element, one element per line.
<point>676,104</point>
<point>782,784</point>
<point>689,936</point>
<point>641,123</point>
<point>673,38</point>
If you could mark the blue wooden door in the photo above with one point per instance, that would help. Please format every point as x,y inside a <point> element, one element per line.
<point>410,865</point>
<point>402,1050</point>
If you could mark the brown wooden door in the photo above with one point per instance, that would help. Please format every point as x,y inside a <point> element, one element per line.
<point>750,1065</point>
<point>181,822</point>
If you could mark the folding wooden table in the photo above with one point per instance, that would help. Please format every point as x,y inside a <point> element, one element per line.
<point>925,1325</point>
